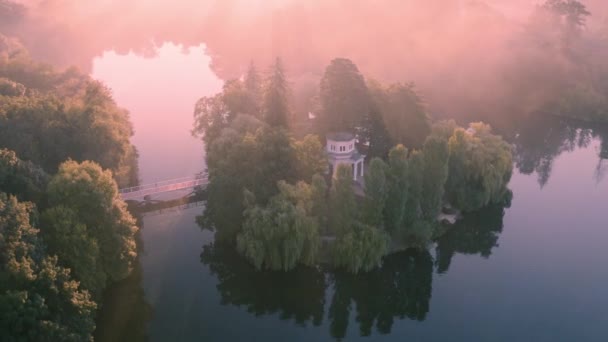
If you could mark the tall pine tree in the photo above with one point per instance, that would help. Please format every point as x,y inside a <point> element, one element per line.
<point>276,93</point>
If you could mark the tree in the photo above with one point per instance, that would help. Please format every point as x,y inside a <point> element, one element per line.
<point>282,234</point>
<point>310,155</point>
<point>398,189</point>
<point>276,97</point>
<point>360,248</point>
<point>39,301</point>
<point>415,176</point>
<point>10,88</point>
<point>480,168</point>
<point>342,201</point>
<point>344,98</point>
<point>91,193</point>
<point>47,130</point>
<point>376,193</point>
<point>213,114</point>
<point>77,250</point>
<point>574,12</point>
<point>402,112</point>
<point>380,141</point>
<point>319,200</point>
<point>247,155</point>
<point>435,155</point>
<point>253,84</point>
<point>23,180</point>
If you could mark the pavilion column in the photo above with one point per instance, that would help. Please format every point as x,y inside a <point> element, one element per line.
<point>362,167</point>
<point>355,171</point>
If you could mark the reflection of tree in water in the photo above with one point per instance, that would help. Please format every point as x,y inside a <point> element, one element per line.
<point>125,312</point>
<point>400,288</point>
<point>542,139</point>
<point>297,295</point>
<point>476,233</point>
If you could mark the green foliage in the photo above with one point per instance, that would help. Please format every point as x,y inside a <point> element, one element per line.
<point>398,189</point>
<point>311,157</point>
<point>415,176</point>
<point>376,192</point>
<point>342,201</point>
<point>91,193</point>
<point>10,88</point>
<point>22,179</point>
<point>402,112</point>
<point>319,199</point>
<point>360,248</point>
<point>39,301</point>
<point>480,168</point>
<point>239,160</point>
<point>75,246</point>
<point>275,108</point>
<point>344,98</point>
<point>282,234</point>
<point>380,141</point>
<point>253,84</point>
<point>62,115</point>
<point>435,174</point>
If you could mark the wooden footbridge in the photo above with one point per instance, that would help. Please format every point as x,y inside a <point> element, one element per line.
<point>140,191</point>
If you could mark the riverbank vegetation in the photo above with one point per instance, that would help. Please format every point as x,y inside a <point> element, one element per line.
<point>65,232</point>
<point>48,116</point>
<point>271,197</point>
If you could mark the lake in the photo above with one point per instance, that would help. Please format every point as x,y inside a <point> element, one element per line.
<point>532,271</point>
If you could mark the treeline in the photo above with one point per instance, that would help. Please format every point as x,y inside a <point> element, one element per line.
<point>63,239</point>
<point>65,232</point>
<point>48,116</point>
<point>269,192</point>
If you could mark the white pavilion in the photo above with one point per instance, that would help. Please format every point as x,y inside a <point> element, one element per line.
<point>341,150</point>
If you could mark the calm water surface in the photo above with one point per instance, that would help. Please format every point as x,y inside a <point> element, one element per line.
<point>534,271</point>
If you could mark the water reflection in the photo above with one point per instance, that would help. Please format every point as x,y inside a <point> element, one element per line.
<point>125,313</point>
<point>476,233</point>
<point>298,295</point>
<point>400,289</point>
<point>539,142</point>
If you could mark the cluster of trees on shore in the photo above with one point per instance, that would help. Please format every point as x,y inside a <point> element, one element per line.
<point>48,116</point>
<point>269,192</point>
<point>65,232</point>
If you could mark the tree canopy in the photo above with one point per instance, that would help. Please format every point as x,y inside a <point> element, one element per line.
<point>39,300</point>
<point>344,98</point>
<point>49,116</point>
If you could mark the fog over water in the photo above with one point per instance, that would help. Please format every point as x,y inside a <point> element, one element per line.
<point>159,93</point>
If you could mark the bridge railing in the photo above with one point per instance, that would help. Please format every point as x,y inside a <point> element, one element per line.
<point>162,183</point>
<point>164,186</point>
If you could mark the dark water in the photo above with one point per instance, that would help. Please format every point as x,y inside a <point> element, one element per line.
<point>534,271</point>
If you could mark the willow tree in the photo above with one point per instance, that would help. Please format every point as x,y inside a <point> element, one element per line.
<point>360,249</point>
<point>480,168</point>
<point>415,177</point>
<point>398,189</point>
<point>376,193</point>
<point>435,174</point>
<point>342,203</point>
<point>282,234</point>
